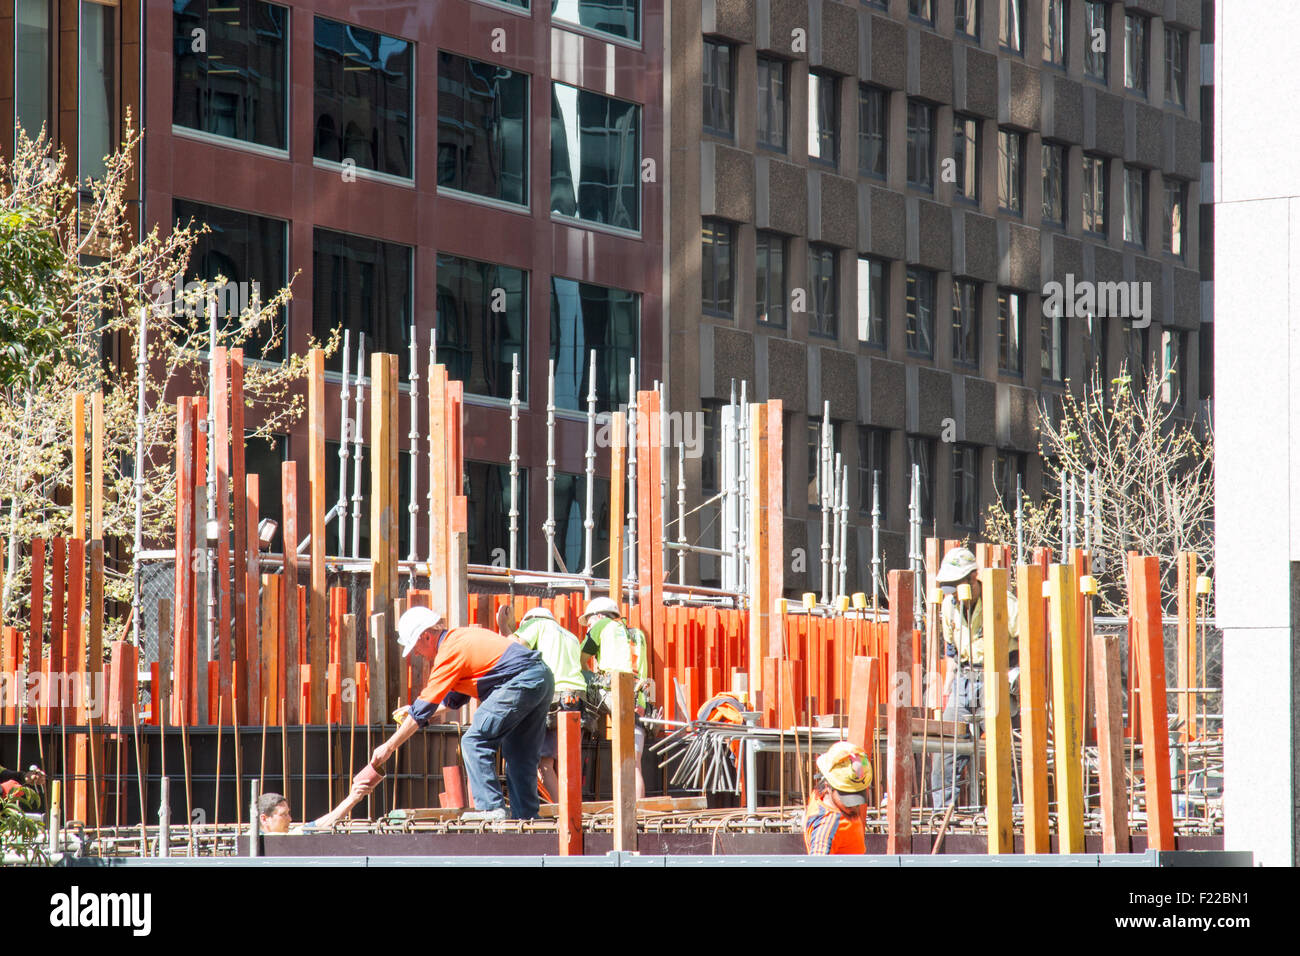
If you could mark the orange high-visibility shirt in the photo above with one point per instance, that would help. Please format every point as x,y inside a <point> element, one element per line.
<point>826,830</point>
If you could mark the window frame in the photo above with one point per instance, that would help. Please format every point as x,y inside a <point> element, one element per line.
<point>873,321</point>
<point>1005,346</point>
<point>1176,72</point>
<point>1096,174</point>
<point>1180,187</point>
<point>962,123</point>
<point>819,317</point>
<point>866,93</point>
<point>966,485</point>
<point>718,229</point>
<point>1062,20</point>
<point>872,436</point>
<point>913,325</point>
<point>727,94</point>
<point>824,83</point>
<point>784,73</point>
<point>1141,69</point>
<point>1061,151</point>
<point>1090,9</point>
<point>1054,347</point>
<point>1135,175</point>
<point>963,13</point>
<point>763,243</point>
<point>966,329</point>
<point>1011,171</point>
<point>462,193</point>
<point>1006,35</point>
<point>914,132</point>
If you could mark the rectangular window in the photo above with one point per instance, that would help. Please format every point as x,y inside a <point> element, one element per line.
<point>33,32</point>
<point>773,103</point>
<point>1096,175</point>
<point>332,463</point>
<point>1176,67</point>
<point>1009,478</point>
<point>965,321</point>
<point>235,86</point>
<point>487,489</point>
<point>814,435</point>
<point>1011,331</point>
<point>482,129</point>
<point>1139,358</point>
<point>1011,25</point>
<point>586,317</point>
<point>922,10</point>
<point>1174,349</point>
<point>620,18</point>
<point>1095,343</point>
<point>769,274</point>
<point>264,457</point>
<point>873,126</point>
<point>1056,18</point>
<point>1135,53</point>
<point>711,459</point>
<point>482,325</point>
<point>920,312</point>
<point>1011,170</point>
<point>823,281</point>
<point>873,300</point>
<point>920,144</point>
<point>920,460</point>
<point>966,155</point>
<point>1096,44</point>
<point>595,157</point>
<point>873,468</point>
<point>966,17</point>
<point>716,267</point>
<point>97,105</point>
<point>1054,183</point>
<point>1055,336</point>
<point>364,98</point>
<point>1135,205</point>
<point>570,513</point>
<point>1175,231</point>
<point>823,117</point>
<point>965,486</point>
<point>719,89</point>
<point>252,253</point>
<point>363,285</point>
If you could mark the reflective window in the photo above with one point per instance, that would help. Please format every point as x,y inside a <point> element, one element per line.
<point>922,10</point>
<point>1011,331</point>
<point>1096,172</point>
<point>1009,477</point>
<point>1055,341</point>
<point>1011,170</point>
<point>965,321</point>
<point>595,157</point>
<point>1096,45</point>
<point>363,98</point>
<point>97,105</point>
<point>620,18</point>
<point>230,79</point>
<point>920,459</point>
<point>823,117</point>
<point>920,144</point>
<point>251,254</point>
<point>769,272</point>
<point>773,103</point>
<point>1056,18</point>
<point>966,17</point>
<point>965,486</point>
<point>360,546</point>
<point>966,154</point>
<point>1011,25</point>
<point>1175,231</point>
<point>362,285</point>
<point>1054,183</point>
<point>32,34</point>
<point>873,126</point>
<point>482,129</point>
<point>570,515</point>
<point>719,89</point>
<point>487,489</point>
<point>1135,205</point>
<point>823,281</point>
<point>1176,66</point>
<point>482,325</point>
<point>1135,53</point>
<point>873,299</point>
<point>873,468</point>
<point>586,317</point>
<point>717,269</point>
<point>920,312</point>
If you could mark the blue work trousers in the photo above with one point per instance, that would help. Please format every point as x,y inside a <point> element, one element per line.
<point>512,720</point>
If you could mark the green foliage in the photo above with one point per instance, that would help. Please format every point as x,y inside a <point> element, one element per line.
<point>34,284</point>
<point>20,834</point>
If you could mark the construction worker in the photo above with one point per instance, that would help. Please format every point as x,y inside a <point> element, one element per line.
<point>832,822</point>
<point>962,618</point>
<point>562,652</point>
<point>273,814</point>
<point>27,787</point>
<point>513,686</point>
<point>619,648</point>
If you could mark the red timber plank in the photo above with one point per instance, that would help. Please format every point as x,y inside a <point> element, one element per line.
<point>569,735</point>
<point>183,594</point>
<point>244,661</point>
<point>693,691</point>
<point>95,648</point>
<point>338,608</point>
<point>289,591</point>
<point>918,670</point>
<point>74,661</point>
<point>1145,603</point>
<point>249,646</point>
<point>272,674</point>
<point>221,458</point>
<point>1109,694</point>
<point>164,687</point>
<point>10,655</point>
<point>774,517</point>
<point>35,637</point>
<point>647,539</point>
<point>317,648</point>
<point>790,704</point>
<point>863,693</point>
<point>201,704</point>
<point>1034,696</point>
<point>438,471</point>
<point>771,689</point>
<point>713,685</point>
<point>122,687</point>
<point>899,816</point>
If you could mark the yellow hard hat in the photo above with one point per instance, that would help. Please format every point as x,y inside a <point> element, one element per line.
<point>846,768</point>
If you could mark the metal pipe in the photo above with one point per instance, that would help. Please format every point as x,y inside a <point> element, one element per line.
<point>141,364</point>
<point>631,470</point>
<point>1065,544</point>
<point>875,534</point>
<point>589,520</point>
<point>664,500</point>
<point>824,480</point>
<point>681,512</point>
<point>514,462</point>
<point>433,531</point>
<point>742,474</point>
<point>345,434</point>
<point>254,820</point>
<point>209,557</point>
<point>358,447</point>
<point>165,820</point>
<point>1087,511</point>
<point>731,449</point>
<point>1020,529</point>
<point>412,509</point>
<point>844,531</point>
<point>1074,503</point>
<point>549,527</point>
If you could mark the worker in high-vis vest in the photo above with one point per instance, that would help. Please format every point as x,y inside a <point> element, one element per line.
<point>962,618</point>
<point>832,821</point>
<point>562,651</point>
<point>619,648</point>
<point>513,686</point>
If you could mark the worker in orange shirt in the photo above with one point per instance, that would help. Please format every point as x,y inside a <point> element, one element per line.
<point>833,819</point>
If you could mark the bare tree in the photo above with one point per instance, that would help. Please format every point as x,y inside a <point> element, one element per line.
<point>107,278</point>
<point>1150,476</point>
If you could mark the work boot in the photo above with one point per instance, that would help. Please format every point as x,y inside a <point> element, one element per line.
<point>484,816</point>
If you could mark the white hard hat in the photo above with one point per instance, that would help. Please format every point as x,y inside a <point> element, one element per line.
<point>414,622</point>
<point>957,565</point>
<point>601,605</point>
<point>537,612</point>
